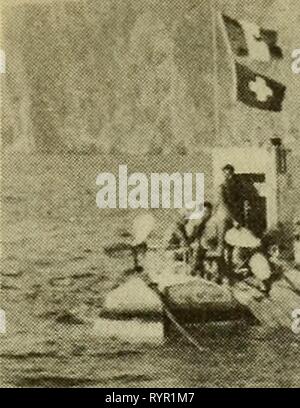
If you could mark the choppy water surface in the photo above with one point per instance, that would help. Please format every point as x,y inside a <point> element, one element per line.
<point>53,278</point>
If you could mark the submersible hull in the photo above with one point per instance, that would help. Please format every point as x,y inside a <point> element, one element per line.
<point>190,299</point>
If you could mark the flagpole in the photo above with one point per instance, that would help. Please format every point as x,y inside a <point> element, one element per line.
<point>215,68</point>
<point>234,124</point>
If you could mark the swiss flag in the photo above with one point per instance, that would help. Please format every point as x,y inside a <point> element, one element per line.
<point>258,91</point>
<point>249,40</point>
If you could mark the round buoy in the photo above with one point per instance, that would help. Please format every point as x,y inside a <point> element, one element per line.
<point>133,299</point>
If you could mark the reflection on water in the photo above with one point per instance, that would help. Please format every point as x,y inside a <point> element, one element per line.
<point>53,279</point>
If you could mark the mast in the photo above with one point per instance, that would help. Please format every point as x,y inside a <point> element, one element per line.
<point>215,68</point>
<point>231,61</point>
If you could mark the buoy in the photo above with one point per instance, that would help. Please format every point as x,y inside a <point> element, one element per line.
<point>132,299</point>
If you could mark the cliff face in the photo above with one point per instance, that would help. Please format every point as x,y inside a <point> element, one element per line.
<point>135,75</point>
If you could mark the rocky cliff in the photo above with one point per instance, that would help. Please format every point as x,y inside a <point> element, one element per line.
<point>136,75</point>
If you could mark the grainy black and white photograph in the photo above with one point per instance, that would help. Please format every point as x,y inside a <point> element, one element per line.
<point>150,195</point>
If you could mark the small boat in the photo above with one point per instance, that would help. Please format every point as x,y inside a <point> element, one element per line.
<point>191,300</point>
<point>169,296</point>
<point>202,301</point>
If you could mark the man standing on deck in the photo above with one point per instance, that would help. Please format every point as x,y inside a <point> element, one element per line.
<point>235,200</point>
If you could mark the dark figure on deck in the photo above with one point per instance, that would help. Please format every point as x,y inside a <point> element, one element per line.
<point>235,201</point>
<point>231,194</point>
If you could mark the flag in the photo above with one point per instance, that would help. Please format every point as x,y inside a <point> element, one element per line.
<point>249,40</point>
<point>258,91</point>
